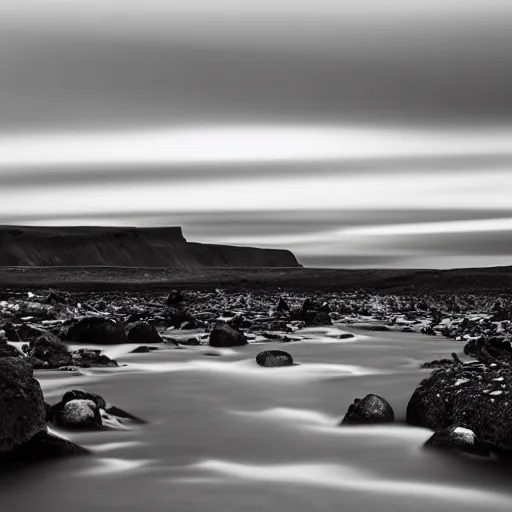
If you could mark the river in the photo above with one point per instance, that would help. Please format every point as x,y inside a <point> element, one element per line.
<point>226,434</point>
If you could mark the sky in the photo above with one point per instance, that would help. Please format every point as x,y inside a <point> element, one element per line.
<point>356,133</point>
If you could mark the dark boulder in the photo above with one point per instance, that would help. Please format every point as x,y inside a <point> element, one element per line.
<point>22,409</point>
<point>180,319</point>
<point>317,318</point>
<point>471,395</point>
<point>460,439</point>
<point>345,336</point>
<point>11,332</point>
<point>223,335</point>
<point>78,415</point>
<point>142,332</point>
<point>282,306</point>
<point>274,358</point>
<point>371,409</point>
<point>96,330</point>
<point>48,351</point>
<point>143,349</point>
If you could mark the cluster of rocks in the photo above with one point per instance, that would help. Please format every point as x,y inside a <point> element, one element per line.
<point>24,415</point>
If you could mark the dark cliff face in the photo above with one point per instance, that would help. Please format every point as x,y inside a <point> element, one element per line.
<point>126,247</point>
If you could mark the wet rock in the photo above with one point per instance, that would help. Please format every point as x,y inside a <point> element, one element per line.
<point>282,306</point>
<point>371,409</point>
<point>78,414</point>
<point>96,330</point>
<point>317,318</point>
<point>472,395</point>
<point>10,332</point>
<point>438,363</point>
<point>142,332</point>
<point>226,336</point>
<point>143,349</point>
<point>22,409</point>
<point>345,336</point>
<point>83,410</point>
<point>460,439</point>
<point>274,358</point>
<point>48,352</point>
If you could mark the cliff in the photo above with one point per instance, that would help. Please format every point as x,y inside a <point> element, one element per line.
<point>126,247</point>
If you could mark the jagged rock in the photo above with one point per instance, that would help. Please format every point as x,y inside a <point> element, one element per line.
<point>472,395</point>
<point>96,330</point>
<point>142,332</point>
<point>22,409</point>
<point>274,358</point>
<point>458,438</point>
<point>369,410</point>
<point>226,336</point>
<point>282,305</point>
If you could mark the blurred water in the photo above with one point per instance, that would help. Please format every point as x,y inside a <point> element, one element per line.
<point>225,434</point>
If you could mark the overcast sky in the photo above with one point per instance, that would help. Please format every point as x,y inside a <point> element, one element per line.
<point>357,133</point>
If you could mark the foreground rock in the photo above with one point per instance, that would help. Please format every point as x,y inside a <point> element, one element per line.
<point>225,336</point>
<point>23,432</point>
<point>472,395</point>
<point>274,358</point>
<point>459,439</point>
<point>372,409</point>
<point>82,410</point>
<point>96,330</point>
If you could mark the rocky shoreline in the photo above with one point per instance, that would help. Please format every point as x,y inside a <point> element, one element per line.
<point>466,404</point>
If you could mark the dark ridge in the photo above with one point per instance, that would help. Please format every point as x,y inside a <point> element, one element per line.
<point>87,246</point>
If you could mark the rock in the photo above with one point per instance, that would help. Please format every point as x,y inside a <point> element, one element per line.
<point>369,410</point>
<point>438,363</point>
<point>226,336</point>
<point>458,438</point>
<point>143,349</point>
<point>95,330</point>
<point>48,351</point>
<point>274,358</point>
<point>10,332</point>
<point>92,358</point>
<point>316,318</point>
<point>83,410</point>
<point>345,336</point>
<point>79,414</point>
<point>181,319</point>
<point>22,409</point>
<point>142,332</point>
<point>471,395</point>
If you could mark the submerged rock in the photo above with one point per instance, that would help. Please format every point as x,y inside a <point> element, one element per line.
<point>274,358</point>
<point>142,332</point>
<point>225,336</point>
<point>96,330</point>
<point>371,409</point>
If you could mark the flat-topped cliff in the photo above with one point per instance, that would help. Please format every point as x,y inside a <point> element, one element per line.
<point>126,247</point>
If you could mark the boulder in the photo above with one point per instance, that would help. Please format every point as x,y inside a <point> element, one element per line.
<point>371,409</point>
<point>472,395</point>
<point>96,330</point>
<point>274,358</point>
<point>458,438</point>
<point>282,305</point>
<point>317,318</point>
<point>22,409</point>
<point>226,336</point>
<point>174,298</point>
<point>142,332</point>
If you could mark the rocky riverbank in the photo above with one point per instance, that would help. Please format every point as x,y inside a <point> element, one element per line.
<point>44,330</point>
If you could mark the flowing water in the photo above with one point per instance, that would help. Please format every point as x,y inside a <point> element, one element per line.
<point>226,434</point>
